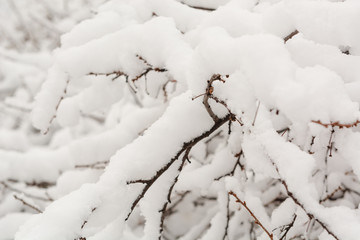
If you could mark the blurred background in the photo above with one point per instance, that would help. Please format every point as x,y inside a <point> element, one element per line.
<point>29,31</point>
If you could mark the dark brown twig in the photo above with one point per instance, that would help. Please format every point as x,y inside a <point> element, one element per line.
<point>288,227</point>
<point>208,93</point>
<point>200,8</point>
<point>227,217</point>
<point>237,163</point>
<point>256,220</point>
<point>292,34</point>
<point>328,154</point>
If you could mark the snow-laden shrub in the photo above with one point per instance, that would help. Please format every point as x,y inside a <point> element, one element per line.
<point>199,120</point>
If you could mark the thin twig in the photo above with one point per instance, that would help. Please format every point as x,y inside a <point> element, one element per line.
<point>288,227</point>
<point>227,217</point>
<point>27,204</point>
<point>163,210</point>
<point>96,165</point>
<point>48,199</point>
<point>171,209</point>
<point>200,8</point>
<point>297,202</point>
<point>57,106</point>
<point>327,155</point>
<point>209,91</point>
<point>337,124</point>
<point>329,196</point>
<point>243,203</point>
<point>256,113</point>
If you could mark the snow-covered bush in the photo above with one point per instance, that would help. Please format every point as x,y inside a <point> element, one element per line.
<point>223,119</point>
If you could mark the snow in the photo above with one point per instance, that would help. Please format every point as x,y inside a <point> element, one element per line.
<point>49,98</point>
<point>181,109</point>
<point>44,226</point>
<point>10,224</point>
<point>307,53</point>
<point>185,18</point>
<point>325,94</point>
<point>296,171</point>
<point>109,58</point>
<point>30,166</point>
<point>327,22</point>
<point>120,103</point>
<point>105,22</point>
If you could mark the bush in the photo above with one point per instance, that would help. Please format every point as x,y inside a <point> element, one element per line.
<point>170,120</point>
